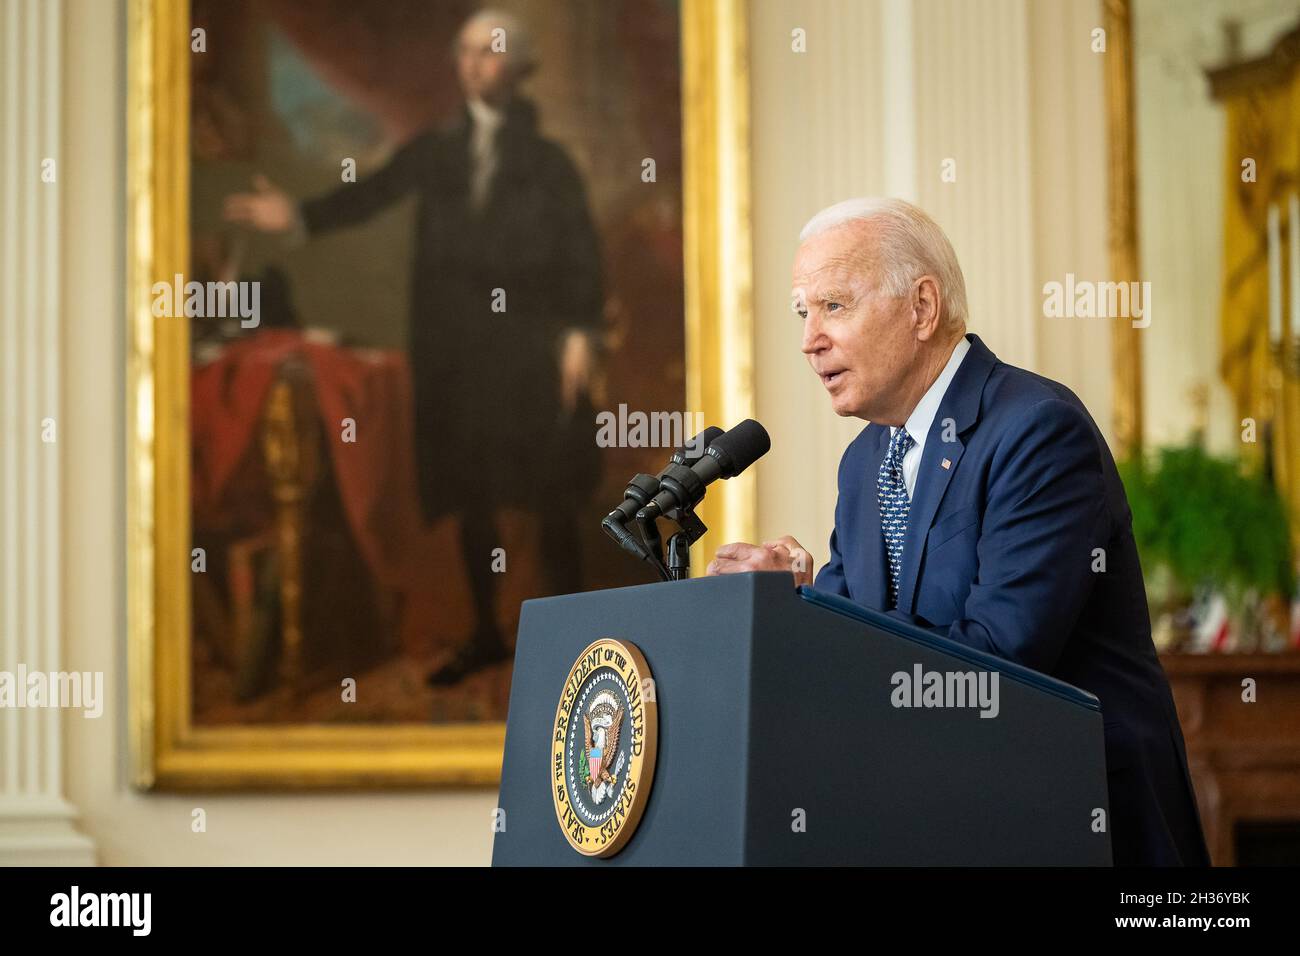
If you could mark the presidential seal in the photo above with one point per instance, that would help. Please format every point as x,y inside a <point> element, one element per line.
<point>603,747</point>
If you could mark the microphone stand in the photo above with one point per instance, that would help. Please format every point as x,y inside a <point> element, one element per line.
<point>679,544</point>
<point>679,557</point>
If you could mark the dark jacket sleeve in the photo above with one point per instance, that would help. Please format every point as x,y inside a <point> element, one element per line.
<point>353,203</point>
<point>831,577</point>
<point>578,291</point>
<point>1045,513</point>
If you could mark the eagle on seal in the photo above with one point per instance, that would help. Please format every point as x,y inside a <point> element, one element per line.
<point>602,722</point>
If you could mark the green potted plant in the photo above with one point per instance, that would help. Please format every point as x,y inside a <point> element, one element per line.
<point>1205,522</point>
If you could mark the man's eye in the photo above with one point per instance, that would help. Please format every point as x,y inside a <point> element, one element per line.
<point>832,306</point>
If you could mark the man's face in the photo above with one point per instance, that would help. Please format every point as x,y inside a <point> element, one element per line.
<point>484,74</point>
<point>860,341</point>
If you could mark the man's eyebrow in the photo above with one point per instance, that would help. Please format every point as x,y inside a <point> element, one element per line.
<point>825,295</point>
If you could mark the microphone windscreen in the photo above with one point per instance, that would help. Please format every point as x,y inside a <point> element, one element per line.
<point>741,447</point>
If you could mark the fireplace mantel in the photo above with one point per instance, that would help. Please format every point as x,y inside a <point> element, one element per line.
<point>1244,757</point>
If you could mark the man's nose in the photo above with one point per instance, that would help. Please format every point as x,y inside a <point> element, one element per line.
<point>814,338</point>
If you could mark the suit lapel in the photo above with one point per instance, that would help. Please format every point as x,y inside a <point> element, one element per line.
<point>960,404</point>
<point>931,484</point>
<point>874,566</point>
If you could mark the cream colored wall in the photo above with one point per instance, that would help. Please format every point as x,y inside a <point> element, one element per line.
<point>149,829</point>
<point>1068,192</point>
<point>816,140</point>
<point>885,92</point>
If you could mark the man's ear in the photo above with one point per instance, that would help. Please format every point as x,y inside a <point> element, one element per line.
<point>926,307</point>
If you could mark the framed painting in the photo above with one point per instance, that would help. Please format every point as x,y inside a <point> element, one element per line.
<point>405,285</point>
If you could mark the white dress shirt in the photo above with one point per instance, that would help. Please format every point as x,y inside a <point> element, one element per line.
<point>922,417</point>
<point>483,159</point>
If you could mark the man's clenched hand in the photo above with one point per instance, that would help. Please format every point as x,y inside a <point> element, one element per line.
<point>783,554</point>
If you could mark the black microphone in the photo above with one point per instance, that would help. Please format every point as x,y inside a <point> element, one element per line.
<point>639,492</point>
<point>644,487</point>
<point>683,487</point>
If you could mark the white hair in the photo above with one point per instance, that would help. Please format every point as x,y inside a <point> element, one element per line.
<point>519,41</point>
<point>909,244</point>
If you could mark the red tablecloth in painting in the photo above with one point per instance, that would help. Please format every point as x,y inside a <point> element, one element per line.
<point>375,473</point>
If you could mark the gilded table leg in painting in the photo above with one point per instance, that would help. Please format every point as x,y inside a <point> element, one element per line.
<point>292,455</point>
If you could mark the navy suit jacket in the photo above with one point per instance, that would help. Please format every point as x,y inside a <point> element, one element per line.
<point>1019,542</point>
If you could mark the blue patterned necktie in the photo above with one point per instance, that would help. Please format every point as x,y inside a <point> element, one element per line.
<point>891,494</point>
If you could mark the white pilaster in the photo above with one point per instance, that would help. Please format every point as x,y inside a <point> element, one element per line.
<point>35,820</point>
<point>973,107</point>
<point>898,67</point>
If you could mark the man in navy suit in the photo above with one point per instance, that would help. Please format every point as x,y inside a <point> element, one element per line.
<point>981,501</point>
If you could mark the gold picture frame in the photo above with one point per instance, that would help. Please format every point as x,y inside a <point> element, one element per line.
<point>168,751</point>
<point>1122,234</point>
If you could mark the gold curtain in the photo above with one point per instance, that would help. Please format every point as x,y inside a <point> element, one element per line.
<point>1263,124</point>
